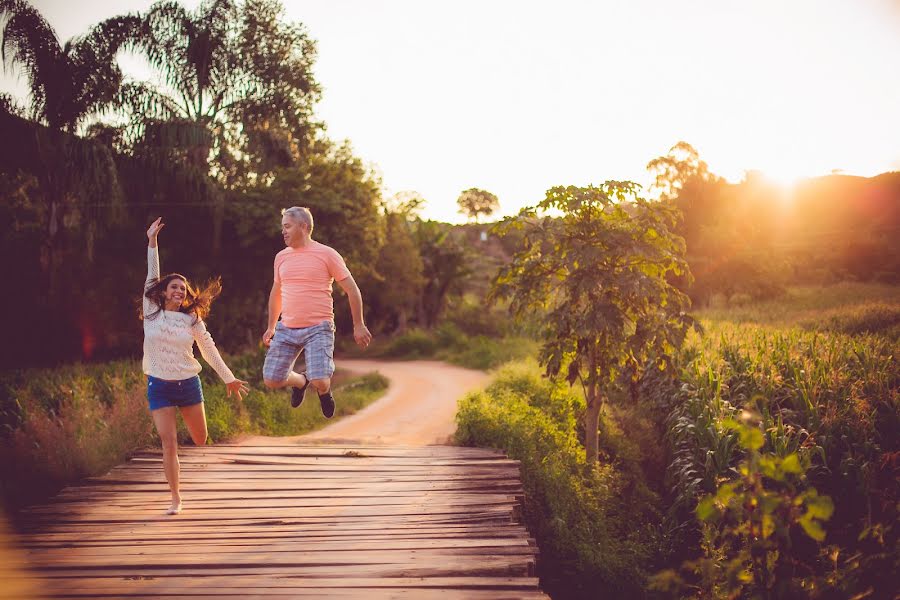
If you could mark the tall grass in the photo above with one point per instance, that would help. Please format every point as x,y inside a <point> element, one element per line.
<point>59,425</point>
<point>824,375</point>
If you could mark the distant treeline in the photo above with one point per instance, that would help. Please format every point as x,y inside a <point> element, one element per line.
<point>754,237</point>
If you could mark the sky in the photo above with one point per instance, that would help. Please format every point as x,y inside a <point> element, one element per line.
<point>518,96</point>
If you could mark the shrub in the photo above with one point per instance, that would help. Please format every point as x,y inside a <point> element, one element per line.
<point>582,515</point>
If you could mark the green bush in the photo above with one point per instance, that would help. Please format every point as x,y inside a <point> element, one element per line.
<point>583,517</point>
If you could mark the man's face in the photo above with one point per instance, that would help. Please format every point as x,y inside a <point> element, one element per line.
<point>291,230</point>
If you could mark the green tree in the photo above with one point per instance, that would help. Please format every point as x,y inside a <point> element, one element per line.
<point>68,85</point>
<point>446,264</point>
<point>400,264</point>
<point>238,87</point>
<point>475,202</point>
<point>597,278</point>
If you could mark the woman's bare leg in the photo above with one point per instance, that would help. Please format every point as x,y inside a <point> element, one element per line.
<point>195,420</point>
<point>164,419</point>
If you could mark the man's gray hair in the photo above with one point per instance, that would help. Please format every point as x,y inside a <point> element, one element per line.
<point>300,214</point>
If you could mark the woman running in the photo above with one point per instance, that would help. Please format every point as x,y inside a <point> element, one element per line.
<point>173,313</point>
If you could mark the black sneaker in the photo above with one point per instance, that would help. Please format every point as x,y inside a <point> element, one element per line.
<point>298,393</point>
<point>327,402</point>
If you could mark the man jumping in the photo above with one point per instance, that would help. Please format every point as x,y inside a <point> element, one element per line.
<point>301,296</point>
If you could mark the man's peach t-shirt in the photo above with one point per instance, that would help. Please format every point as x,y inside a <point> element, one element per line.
<point>305,275</point>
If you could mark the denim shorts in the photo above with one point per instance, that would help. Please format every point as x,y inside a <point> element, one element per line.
<point>316,343</point>
<point>162,393</point>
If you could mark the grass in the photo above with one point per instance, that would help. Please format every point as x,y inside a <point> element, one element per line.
<point>60,425</point>
<point>853,308</point>
<point>821,368</point>
<point>449,343</point>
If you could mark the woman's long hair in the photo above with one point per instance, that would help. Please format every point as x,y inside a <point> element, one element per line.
<point>197,302</point>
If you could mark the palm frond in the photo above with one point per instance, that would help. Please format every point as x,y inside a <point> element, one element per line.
<point>167,27</point>
<point>95,74</point>
<point>29,43</point>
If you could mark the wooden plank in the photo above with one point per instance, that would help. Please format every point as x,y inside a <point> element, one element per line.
<point>90,583</point>
<point>275,521</point>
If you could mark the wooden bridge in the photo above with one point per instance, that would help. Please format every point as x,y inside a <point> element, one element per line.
<point>289,521</point>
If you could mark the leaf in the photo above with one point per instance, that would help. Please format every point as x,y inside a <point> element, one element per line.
<point>768,525</point>
<point>819,507</point>
<point>751,438</point>
<point>812,528</point>
<point>791,464</point>
<point>707,509</point>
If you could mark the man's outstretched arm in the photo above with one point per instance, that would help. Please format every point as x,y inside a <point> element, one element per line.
<point>360,332</point>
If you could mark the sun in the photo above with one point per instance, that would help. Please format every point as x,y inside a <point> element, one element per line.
<point>786,179</point>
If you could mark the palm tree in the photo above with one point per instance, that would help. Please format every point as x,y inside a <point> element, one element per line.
<point>237,86</point>
<point>69,84</point>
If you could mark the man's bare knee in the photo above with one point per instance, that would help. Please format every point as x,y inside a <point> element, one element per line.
<point>322,385</point>
<point>274,385</point>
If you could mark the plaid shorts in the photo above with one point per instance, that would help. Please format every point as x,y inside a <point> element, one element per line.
<point>315,343</point>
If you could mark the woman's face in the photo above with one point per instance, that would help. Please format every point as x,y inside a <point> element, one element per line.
<point>175,294</point>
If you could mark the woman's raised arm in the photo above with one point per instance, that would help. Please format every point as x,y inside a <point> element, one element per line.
<point>152,260</point>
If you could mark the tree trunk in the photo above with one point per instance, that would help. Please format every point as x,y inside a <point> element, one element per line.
<point>402,321</point>
<point>592,423</point>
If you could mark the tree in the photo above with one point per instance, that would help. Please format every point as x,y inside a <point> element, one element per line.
<point>475,202</point>
<point>597,278</point>
<point>446,264</point>
<point>239,88</point>
<point>401,265</point>
<point>673,171</point>
<point>68,85</point>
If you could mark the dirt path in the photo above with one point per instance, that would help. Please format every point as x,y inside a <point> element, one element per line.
<point>418,409</point>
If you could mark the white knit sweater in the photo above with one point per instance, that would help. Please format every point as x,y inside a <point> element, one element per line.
<point>169,338</point>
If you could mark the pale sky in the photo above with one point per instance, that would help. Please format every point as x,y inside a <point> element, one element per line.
<point>518,96</point>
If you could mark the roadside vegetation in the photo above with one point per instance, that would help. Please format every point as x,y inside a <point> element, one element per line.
<point>770,407</point>
<point>60,425</point>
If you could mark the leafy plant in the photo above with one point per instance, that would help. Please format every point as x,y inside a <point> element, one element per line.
<point>751,526</point>
<point>597,276</point>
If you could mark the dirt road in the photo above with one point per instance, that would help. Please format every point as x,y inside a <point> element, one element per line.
<point>418,408</point>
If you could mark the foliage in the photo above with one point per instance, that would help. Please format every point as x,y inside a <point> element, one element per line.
<point>446,264</point>
<point>238,87</point>
<point>582,514</point>
<point>598,278</point>
<point>448,342</point>
<point>752,527</point>
<point>68,84</point>
<point>475,202</point>
<point>830,400</point>
<point>59,425</point>
<point>753,238</point>
<point>680,167</point>
<point>401,265</point>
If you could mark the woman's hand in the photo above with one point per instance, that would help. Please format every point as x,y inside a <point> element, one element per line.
<point>154,230</point>
<point>237,387</point>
